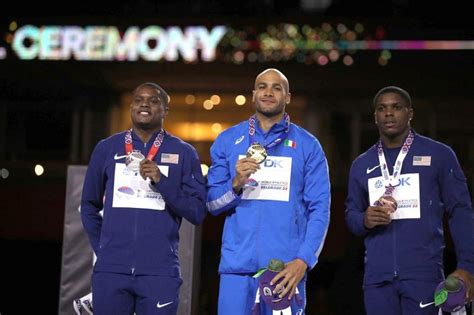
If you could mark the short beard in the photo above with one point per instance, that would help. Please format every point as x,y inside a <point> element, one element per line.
<point>271,114</point>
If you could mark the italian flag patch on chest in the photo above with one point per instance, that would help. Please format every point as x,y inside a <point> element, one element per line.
<point>290,143</point>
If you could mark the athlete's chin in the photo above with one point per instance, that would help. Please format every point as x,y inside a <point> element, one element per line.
<point>392,133</point>
<point>146,125</point>
<point>391,130</point>
<point>270,113</point>
<point>142,119</point>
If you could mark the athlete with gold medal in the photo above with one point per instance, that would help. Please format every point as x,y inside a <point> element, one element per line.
<point>270,177</point>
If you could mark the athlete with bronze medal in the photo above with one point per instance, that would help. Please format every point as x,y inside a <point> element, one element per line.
<point>404,270</point>
<point>391,181</point>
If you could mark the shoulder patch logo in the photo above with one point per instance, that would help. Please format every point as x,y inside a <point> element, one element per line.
<point>239,140</point>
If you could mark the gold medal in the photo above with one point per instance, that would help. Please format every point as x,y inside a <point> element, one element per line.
<point>132,161</point>
<point>257,152</point>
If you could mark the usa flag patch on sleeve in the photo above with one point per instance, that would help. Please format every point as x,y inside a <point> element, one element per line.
<point>421,160</point>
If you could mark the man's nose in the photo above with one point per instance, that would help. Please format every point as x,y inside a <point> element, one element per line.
<point>268,91</point>
<point>145,102</point>
<point>389,111</point>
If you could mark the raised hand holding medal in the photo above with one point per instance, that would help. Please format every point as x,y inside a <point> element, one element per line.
<point>244,168</point>
<point>381,212</point>
<point>150,171</point>
<point>256,154</point>
<point>136,161</point>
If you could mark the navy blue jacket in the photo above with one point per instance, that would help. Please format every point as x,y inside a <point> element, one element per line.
<point>413,248</point>
<point>141,241</point>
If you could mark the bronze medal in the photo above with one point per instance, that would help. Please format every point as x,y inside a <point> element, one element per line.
<point>388,202</point>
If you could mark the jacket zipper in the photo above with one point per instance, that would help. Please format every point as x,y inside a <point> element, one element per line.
<point>135,226</point>
<point>395,272</point>
<point>134,262</point>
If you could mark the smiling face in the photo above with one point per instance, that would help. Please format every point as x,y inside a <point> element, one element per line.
<point>271,93</point>
<point>392,117</point>
<point>147,108</point>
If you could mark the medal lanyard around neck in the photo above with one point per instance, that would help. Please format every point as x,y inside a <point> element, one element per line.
<point>391,181</point>
<point>154,149</point>
<point>280,137</point>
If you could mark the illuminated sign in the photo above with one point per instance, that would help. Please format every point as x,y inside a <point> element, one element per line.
<point>105,43</point>
<point>284,42</point>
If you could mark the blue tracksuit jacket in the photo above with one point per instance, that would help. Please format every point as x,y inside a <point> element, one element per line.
<point>256,231</point>
<point>413,248</point>
<point>141,241</point>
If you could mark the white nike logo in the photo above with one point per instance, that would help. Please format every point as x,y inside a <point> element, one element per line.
<point>119,157</point>
<point>369,170</point>
<point>163,305</point>
<point>425,305</point>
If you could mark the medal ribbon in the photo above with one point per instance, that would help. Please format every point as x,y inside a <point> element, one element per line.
<point>391,181</point>
<point>280,137</point>
<point>154,149</point>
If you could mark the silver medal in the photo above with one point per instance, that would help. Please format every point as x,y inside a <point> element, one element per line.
<point>257,152</point>
<point>132,161</point>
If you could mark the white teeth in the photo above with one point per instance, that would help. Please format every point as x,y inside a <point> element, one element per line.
<point>144,113</point>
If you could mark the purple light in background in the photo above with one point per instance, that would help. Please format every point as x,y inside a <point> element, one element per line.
<point>407,45</point>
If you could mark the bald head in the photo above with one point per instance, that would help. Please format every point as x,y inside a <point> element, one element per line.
<point>284,80</point>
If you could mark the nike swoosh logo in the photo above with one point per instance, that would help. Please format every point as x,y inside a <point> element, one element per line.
<point>119,157</point>
<point>165,304</point>
<point>425,305</point>
<point>369,170</point>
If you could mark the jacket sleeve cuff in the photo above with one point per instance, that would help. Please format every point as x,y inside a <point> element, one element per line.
<point>226,201</point>
<point>308,256</point>
<point>161,186</point>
